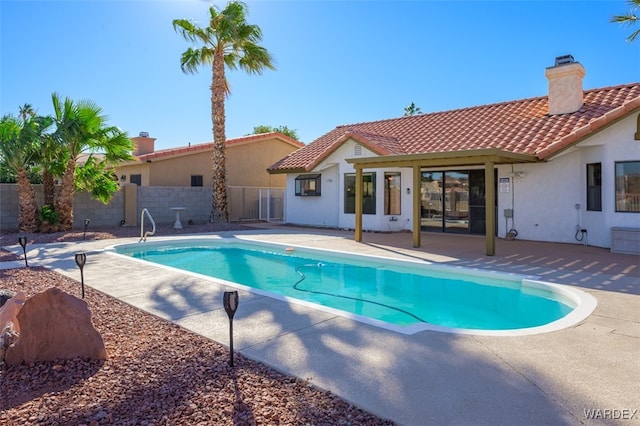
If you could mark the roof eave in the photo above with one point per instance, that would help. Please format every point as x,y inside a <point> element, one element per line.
<point>338,143</point>
<point>590,129</point>
<point>449,158</point>
<point>287,171</point>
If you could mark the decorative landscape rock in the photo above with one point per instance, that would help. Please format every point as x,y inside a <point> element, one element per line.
<point>8,335</point>
<point>9,327</point>
<point>10,309</point>
<point>6,294</point>
<point>55,325</point>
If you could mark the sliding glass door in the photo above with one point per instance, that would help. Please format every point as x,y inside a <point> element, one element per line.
<point>431,200</point>
<point>456,201</point>
<point>453,201</point>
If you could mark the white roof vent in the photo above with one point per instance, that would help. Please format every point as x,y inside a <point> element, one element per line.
<point>144,134</point>
<point>563,60</point>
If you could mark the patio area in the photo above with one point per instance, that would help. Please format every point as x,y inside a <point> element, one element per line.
<point>562,377</point>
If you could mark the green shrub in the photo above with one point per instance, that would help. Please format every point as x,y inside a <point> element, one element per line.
<point>49,215</point>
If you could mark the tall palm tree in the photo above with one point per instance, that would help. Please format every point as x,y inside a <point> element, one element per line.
<point>630,18</point>
<point>228,41</point>
<point>26,111</point>
<point>19,145</point>
<point>81,128</point>
<point>52,160</point>
<point>49,157</point>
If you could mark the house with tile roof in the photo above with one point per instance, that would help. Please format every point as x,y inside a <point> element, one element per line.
<point>561,168</point>
<point>247,158</point>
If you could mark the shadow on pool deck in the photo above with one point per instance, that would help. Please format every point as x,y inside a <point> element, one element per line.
<point>574,264</point>
<point>428,377</point>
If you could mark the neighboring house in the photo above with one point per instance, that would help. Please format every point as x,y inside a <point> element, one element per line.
<point>560,168</point>
<point>253,193</point>
<point>247,159</point>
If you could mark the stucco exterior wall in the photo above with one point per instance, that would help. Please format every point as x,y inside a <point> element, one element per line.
<point>623,148</point>
<point>314,211</point>
<point>177,171</point>
<point>545,198</point>
<point>328,209</point>
<point>246,165</point>
<point>542,200</point>
<point>135,169</point>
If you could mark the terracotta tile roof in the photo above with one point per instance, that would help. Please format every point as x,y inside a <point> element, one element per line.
<point>183,150</point>
<point>521,127</point>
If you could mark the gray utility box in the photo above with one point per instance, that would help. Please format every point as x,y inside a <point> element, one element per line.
<point>625,240</point>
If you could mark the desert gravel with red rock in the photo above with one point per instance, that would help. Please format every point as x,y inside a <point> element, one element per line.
<point>156,372</point>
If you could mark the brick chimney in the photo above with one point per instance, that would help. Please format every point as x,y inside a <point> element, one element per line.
<point>565,85</point>
<point>143,144</point>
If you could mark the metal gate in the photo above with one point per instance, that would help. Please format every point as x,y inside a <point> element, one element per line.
<point>252,203</point>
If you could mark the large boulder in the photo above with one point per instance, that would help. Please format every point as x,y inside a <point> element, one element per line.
<point>55,325</point>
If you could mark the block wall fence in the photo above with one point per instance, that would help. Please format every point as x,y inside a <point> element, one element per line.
<point>126,205</point>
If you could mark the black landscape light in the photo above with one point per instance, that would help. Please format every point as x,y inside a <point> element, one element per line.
<point>86,224</point>
<point>81,259</point>
<point>23,242</point>
<point>230,302</point>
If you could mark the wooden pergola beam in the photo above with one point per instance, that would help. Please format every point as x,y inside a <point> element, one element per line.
<point>358,201</point>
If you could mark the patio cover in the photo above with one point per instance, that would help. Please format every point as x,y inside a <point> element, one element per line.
<point>478,157</point>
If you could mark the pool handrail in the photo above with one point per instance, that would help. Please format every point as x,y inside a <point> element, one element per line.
<point>143,235</point>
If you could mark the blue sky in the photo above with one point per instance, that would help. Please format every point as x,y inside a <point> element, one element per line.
<point>338,62</point>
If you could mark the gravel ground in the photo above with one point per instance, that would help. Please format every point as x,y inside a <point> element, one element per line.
<point>156,372</point>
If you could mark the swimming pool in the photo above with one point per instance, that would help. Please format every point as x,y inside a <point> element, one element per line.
<point>405,296</point>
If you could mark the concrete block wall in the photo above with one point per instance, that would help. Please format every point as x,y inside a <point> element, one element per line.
<point>158,200</point>
<point>109,215</point>
<point>9,210</point>
<point>8,207</point>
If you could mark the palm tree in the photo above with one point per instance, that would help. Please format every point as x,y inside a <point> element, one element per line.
<point>97,178</point>
<point>228,41</point>
<point>629,18</point>
<point>26,111</point>
<point>49,158</point>
<point>412,109</point>
<point>52,160</point>
<point>19,145</point>
<point>81,129</point>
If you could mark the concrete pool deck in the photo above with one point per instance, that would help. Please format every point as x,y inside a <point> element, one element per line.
<point>562,377</point>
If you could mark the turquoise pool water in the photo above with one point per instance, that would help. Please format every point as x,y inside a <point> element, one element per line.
<point>399,293</point>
